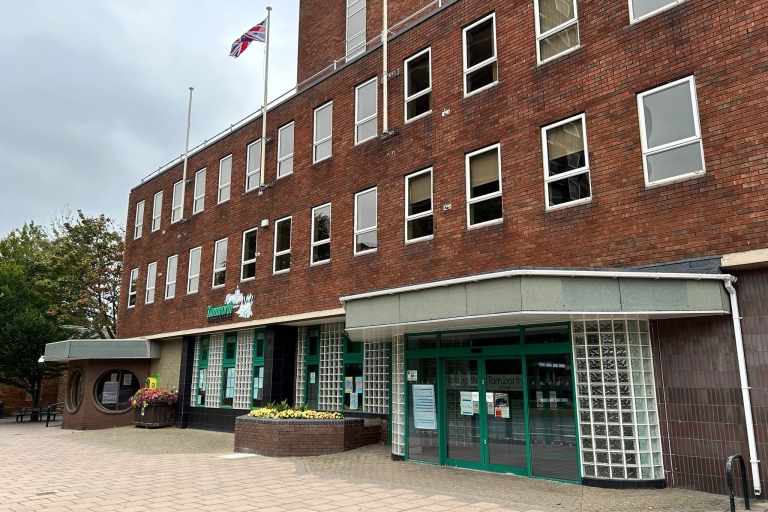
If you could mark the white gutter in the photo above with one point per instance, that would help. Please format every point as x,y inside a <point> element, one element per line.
<point>745,388</point>
<point>727,280</point>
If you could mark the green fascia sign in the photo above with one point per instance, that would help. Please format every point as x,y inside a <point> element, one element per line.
<point>217,314</point>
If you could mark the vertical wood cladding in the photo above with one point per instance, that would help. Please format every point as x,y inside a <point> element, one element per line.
<point>701,413</point>
<point>720,43</point>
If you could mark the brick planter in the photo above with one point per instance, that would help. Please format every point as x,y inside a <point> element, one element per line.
<point>298,438</point>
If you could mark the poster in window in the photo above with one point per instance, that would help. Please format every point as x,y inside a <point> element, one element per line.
<point>424,414</point>
<point>358,384</point>
<point>349,383</point>
<point>553,399</point>
<point>467,409</point>
<point>109,396</point>
<point>311,377</point>
<point>353,401</point>
<point>127,379</point>
<point>113,377</point>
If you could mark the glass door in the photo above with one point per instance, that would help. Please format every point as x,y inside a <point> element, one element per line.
<point>552,421</point>
<point>462,409</point>
<point>505,415</point>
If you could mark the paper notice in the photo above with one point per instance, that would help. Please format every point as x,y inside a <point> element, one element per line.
<point>467,407</point>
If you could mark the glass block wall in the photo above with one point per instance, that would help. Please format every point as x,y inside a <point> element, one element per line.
<point>618,414</point>
<point>331,367</point>
<point>193,394</point>
<point>243,369</point>
<point>376,378</point>
<point>398,396</point>
<point>213,394</point>
<point>301,347</point>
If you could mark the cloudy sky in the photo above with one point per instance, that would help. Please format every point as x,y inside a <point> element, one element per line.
<point>93,93</point>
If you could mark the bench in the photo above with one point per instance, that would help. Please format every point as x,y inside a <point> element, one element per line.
<point>31,412</point>
<point>51,412</point>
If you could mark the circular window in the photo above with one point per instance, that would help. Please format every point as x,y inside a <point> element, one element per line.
<point>75,391</point>
<point>115,388</point>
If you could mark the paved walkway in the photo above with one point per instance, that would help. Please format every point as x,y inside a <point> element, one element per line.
<point>130,469</point>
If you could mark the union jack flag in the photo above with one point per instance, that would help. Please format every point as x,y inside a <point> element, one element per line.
<point>256,34</point>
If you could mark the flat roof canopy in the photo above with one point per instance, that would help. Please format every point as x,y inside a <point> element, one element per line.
<point>71,350</point>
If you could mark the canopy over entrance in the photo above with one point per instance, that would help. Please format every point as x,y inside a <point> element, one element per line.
<point>71,350</point>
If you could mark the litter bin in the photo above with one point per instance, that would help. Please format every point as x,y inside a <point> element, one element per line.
<point>2,406</point>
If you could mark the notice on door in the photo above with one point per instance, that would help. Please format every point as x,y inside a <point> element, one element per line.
<point>553,399</point>
<point>424,416</point>
<point>467,404</point>
<point>110,393</point>
<point>539,399</point>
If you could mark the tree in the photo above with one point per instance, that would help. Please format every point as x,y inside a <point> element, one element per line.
<point>25,324</point>
<point>86,263</point>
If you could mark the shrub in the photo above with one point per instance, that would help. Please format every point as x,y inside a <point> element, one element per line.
<point>149,396</point>
<point>283,411</point>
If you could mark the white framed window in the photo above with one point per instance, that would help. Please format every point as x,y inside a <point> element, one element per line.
<point>170,276</point>
<point>139,224</point>
<point>366,220</point>
<point>219,263</point>
<point>132,287</point>
<point>670,132</point>
<point>225,179</point>
<point>176,202</point>
<point>484,205</point>
<point>149,295</point>
<point>418,85</point>
<point>643,9</point>
<point>481,70</point>
<point>253,166</point>
<point>157,210</point>
<point>557,28</point>
<point>566,163</point>
<point>285,150</point>
<point>248,267</point>
<point>419,224</point>
<point>282,261</point>
<point>366,111</point>
<point>356,23</point>
<point>323,136</point>
<point>321,234</point>
<point>193,273</point>
<point>198,201</point>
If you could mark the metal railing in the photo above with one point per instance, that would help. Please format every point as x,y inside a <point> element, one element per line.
<point>729,477</point>
<point>393,30</point>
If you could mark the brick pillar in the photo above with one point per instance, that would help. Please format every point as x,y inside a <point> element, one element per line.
<point>185,381</point>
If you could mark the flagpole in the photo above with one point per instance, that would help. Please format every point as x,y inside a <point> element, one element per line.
<point>186,153</point>
<point>264,109</point>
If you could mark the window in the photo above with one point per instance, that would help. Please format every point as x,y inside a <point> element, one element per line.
<point>228,370</point>
<point>258,369</point>
<point>132,287</point>
<point>642,9</point>
<point>219,263</point>
<point>193,275</point>
<point>480,67</point>
<point>149,295</point>
<point>282,246</point>
<point>170,277</point>
<point>323,143</point>
<point>365,221</point>
<point>356,23</point>
<point>225,178</point>
<point>115,388</point>
<point>557,28</point>
<point>366,109</point>
<point>352,398</point>
<point>75,391</point>
<point>176,202</point>
<point>418,85</point>
<point>198,203</point>
<point>566,163</point>
<point>139,220</point>
<point>157,210</point>
<point>253,167</point>
<point>285,151</point>
<point>670,132</point>
<point>202,371</point>
<point>418,206</point>
<point>248,270</point>
<point>321,234</point>
<point>484,186</point>
<point>312,381</point>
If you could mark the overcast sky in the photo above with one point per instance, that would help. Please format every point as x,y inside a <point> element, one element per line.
<point>93,93</point>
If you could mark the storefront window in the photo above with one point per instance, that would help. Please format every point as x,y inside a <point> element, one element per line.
<point>481,338</point>
<point>553,334</point>
<point>202,384</point>
<point>353,387</point>
<point>228,371</point>
<point>422,410</point>
<point>258,370</point>
<point>115,388</point>
<point>313,368</point>
<point>422,341</point>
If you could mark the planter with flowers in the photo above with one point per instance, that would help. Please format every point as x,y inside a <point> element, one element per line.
<point>153,408</point>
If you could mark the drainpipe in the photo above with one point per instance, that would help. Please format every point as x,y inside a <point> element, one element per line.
<point>744,386</point>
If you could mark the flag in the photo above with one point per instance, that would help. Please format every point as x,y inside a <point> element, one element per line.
<point>256,34</point>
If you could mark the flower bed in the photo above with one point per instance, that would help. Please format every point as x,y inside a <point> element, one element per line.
<point>291,414</point>
<point>149,396</point>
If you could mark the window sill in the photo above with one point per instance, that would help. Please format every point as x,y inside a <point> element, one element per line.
<point>322,160</point>
<point>420,116</point>
<point>279,272</point>
<point>247,280</point>
<point>363,253</point>
<point>657,11</point>
<point>676,179</point>
<point>170,298</point>
<point>422,239</point>
<point>484,88</point>
<point>217,287</point>
<point>131,307</point>
<point>195,213</point>
<point>192,293</point>
<point>366,140</point>
<point>320,263</point>
<point>569,204</point>
<point>284,176</point>
<point>563,54</point>
<point>222,202</point>
<point>484,224</point>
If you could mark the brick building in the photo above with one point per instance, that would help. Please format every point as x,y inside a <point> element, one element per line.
<point>537,269</point>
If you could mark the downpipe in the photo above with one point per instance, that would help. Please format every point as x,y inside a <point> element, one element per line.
<point>754,462</point>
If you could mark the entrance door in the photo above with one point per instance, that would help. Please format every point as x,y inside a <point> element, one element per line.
<point>505,413</point>
<point>462,409</point>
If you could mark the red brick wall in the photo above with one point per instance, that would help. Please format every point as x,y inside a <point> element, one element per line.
<point>300,438</point>
<point>721,43</point>
<point>90,416</point>
<point>14,398</point>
